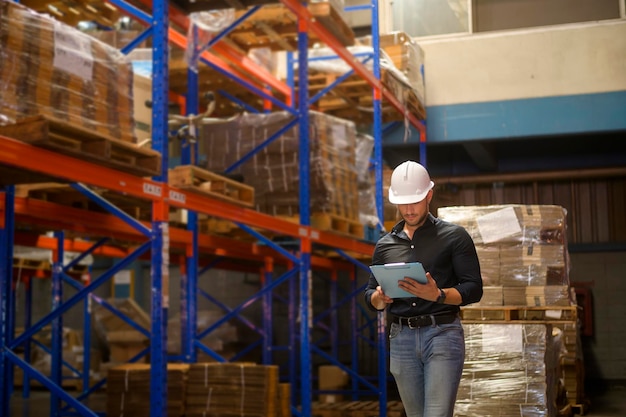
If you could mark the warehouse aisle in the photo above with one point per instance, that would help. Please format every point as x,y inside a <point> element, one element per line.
<point>609,403</point>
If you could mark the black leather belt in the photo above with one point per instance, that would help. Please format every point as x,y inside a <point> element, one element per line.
<point>426,320</point>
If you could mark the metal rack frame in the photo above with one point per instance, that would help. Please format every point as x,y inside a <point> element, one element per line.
<point>157,237</point>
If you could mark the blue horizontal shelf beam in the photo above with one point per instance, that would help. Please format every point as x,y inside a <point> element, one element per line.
<point>111,208</point>
<point>269,140</point>
<point>340,303</point>
<point>228,310</point>
<point>358,7</point>
<point>208,351</point>
<point>31,372</point>
<point>243,352</point>
<point>351,259</point>
<point>86,253</point>
<point>238,102</point>
<point>248,302</point>
<point>143,36</point>
<point>78,296</point>
<point>344,368</point>
<point>269,243</point>
<point>218,37</point>
<point>252,88</point>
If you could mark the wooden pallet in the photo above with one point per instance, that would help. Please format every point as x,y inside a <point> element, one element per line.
<point>64,194</point>
<point>332,223</point>
<point>78,142</point>
<point>519,314</point>
<point>356,409</point>
<point>201,181</point>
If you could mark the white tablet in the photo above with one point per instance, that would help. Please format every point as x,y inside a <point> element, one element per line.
<point>388,276</point>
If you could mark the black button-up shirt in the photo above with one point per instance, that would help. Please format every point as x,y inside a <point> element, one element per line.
<point>445,250</point>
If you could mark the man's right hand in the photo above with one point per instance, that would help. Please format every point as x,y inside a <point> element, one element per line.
<point>379,300</point>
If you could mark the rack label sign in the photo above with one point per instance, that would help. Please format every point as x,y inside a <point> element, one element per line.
<point>178,197</point>
<point>152,189</point>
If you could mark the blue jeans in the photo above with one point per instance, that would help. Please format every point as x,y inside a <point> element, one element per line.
<point>427,363</point>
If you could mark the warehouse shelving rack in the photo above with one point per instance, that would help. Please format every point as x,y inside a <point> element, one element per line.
<point>158,238</point>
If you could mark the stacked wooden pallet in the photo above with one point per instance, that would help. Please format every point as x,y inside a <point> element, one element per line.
<point>201,181</point>
<point>66,138</point>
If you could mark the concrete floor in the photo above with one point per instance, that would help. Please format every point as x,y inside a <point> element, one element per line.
<point>606,402</point>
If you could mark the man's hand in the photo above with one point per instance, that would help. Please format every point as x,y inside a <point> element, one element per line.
<point>379,299</point>
<point>428,291</point>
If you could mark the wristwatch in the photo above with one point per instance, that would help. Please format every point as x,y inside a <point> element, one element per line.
<point>442,296</point>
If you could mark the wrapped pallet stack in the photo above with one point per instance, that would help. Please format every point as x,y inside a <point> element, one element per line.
<point>50,69</point>
<point>274,170</point>
<point>510,370</point>
<point>522,251</point>
<point>525,268</point>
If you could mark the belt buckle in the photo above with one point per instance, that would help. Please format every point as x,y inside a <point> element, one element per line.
<point>412,322</point>
<point>420,321</point>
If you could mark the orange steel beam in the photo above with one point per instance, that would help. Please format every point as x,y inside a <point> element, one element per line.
<point>302,12</point>
<point>12,153</point>
<point>181,20</point>
<point>73,245</point>
<point>39,212</point>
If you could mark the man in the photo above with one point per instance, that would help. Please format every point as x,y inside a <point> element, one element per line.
<point>427,344</point>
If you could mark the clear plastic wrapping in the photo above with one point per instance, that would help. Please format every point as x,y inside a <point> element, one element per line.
<point>511,370</point>
<point>366,180</point>
<point>522,251</point>
<point>274,170</point>
<point>48,68</point>
<point>204,26</point>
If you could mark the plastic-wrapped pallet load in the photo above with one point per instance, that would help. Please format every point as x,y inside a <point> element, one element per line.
<point>522,251</point>
<point>48,68</point>
<point>274,170</point>
<point>511,370</point>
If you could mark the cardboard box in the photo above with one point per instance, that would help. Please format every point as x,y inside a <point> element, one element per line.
<point>142,93</point>
<point>331,377</point>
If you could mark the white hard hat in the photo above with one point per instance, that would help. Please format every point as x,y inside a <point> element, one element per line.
<point>410,183</point>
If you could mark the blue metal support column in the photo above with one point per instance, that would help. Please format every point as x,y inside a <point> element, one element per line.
<point>7,304</point>
<point>28,319</point>
<point>268,304</point>
<point>334,318</point>
<point>293,339</point>
<point>56,353</point>
<point>354,330</point>
<point>305,220</point>
<point>189,280</point>
<point>160,213</point>
<point>378,158</point>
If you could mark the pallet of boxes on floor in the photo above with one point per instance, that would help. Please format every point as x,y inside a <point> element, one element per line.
<point>523,355</point>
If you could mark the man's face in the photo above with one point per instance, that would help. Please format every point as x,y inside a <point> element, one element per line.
<point>414,214</point>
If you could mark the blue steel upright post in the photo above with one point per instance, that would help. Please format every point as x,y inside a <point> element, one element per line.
<point>378,160</point>
<point>6,296</point>
<point>189,280</point>
<point>305,220</point>
<point>160,215</point>
<point>56,351</point>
